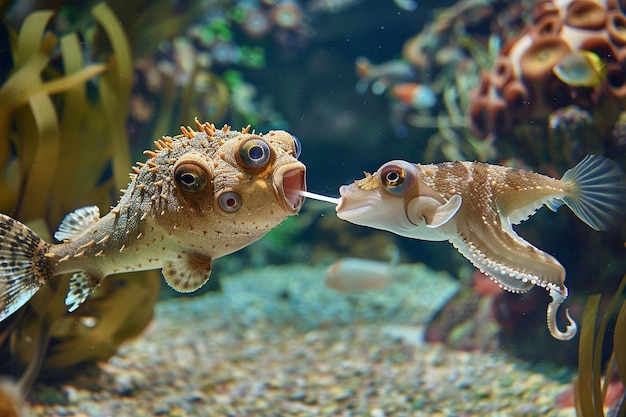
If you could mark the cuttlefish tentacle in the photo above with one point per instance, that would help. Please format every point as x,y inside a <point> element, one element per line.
<point>486,238</point>
<point>557,299</point>
<point>515,265</point>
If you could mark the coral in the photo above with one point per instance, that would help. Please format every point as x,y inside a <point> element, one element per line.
<point>522,85</point>
<point>446,58</point>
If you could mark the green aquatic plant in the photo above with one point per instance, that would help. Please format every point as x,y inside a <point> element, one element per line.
<point>439,49</point>
<point>591,386</point>
<point>147,22</point>
<point>35,124</point>
<point>64,145</point>
<point>25,100</point>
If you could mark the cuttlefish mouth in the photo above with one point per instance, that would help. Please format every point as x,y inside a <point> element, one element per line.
<point>354,205</point>
<point>343,190</point>
<point>288,180</point>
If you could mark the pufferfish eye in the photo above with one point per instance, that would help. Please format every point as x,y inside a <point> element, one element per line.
<point>395,178</point>
<point>255,153</point>
<point>229,201</point>
<point>190,177</point>
<point>297,146</point>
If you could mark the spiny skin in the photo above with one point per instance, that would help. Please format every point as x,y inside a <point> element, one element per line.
<point>200,196</point>
<point>474,205</point>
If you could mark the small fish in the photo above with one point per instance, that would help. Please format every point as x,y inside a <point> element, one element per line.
<point>581,69</point>
<point>473,205</point>
<point>381,76</point>
<point>417,96</point>
<point>356,274</point>
<point>200,196</point>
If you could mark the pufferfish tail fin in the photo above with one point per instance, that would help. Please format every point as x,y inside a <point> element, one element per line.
<point>598,196</point>
<point>24,268</point>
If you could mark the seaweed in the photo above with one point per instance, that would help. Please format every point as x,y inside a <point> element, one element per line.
<point>64,145</point>
<point>591,386</point>
<point>26,102</point>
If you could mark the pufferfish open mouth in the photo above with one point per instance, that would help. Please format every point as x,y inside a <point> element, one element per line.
<point>288,180</point>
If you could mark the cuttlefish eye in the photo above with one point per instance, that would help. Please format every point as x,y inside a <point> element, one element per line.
<point>229,201</point>
<point>394,178</point>
<point>255,153</point>
<point>191,177</point>
<point>297,146</point>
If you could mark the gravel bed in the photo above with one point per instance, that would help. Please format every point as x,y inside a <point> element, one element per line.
<point>217,355</point>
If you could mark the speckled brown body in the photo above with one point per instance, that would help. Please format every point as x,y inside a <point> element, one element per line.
<point>474,205</point>
<point>494,197</point>
<point>200,196</point>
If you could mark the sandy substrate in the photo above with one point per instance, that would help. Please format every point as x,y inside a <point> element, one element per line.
<point>218,356</point>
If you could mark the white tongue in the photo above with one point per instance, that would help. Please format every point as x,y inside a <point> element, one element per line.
<point>314,196</point>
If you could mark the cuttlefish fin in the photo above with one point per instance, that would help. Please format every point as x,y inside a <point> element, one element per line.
<point>188,272</point>
<point>598,195</point>
<point>429,210</point>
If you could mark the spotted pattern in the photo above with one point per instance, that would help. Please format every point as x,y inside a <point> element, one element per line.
<point>168,217</point>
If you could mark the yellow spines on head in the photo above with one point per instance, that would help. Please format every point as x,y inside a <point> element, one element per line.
<point>370,182</point>
<point>163,144</point>
<point>188,132</point>
<point>199,125</point>
<point>205,127</point>
<point>209,128</point>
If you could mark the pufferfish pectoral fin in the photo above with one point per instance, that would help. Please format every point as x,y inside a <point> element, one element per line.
<point>188,272</point>
<point>427,209</point>
<point>82,285</point>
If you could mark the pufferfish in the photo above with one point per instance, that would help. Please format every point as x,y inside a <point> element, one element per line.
<point>200,196</point>
<point>473,205</point>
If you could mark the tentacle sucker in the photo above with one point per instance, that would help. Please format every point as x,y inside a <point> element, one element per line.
<point>557,299</point>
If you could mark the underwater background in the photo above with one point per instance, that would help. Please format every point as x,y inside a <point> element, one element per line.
<point>86,87</point>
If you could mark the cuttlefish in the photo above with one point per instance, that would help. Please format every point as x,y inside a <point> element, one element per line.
<point>473,205</point>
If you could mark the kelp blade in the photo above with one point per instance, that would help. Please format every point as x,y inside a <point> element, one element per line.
<point>115,91</point>
<point>619,339</point>
<point>588,383</point>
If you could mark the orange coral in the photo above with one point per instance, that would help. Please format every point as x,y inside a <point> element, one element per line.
<point>522,85</point>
